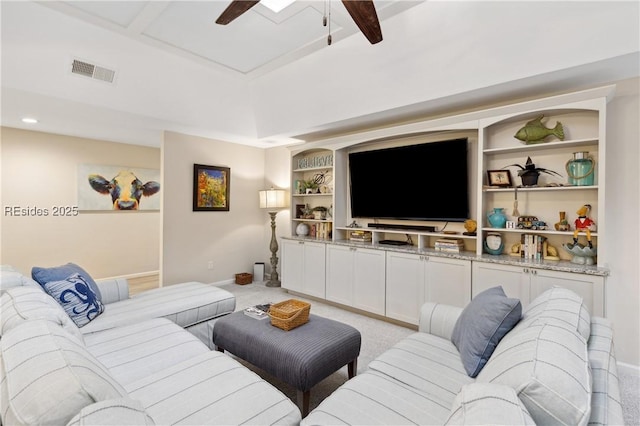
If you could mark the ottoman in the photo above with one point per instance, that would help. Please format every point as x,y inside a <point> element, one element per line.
<point>301,357</point>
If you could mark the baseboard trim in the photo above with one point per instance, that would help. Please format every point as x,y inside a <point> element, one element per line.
<point>630,369</point>
<point>223,282</point>
<point>133,276</point>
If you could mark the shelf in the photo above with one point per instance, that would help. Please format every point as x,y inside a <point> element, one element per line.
<point>535,231</point>
<point>312,169</point>
<point>408,231</point>
<point>541,188</point>
<point>313,220</point>
<point>320,194</point>
<point>542,146</point>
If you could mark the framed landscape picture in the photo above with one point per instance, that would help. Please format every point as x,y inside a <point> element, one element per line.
<point>211,188</point>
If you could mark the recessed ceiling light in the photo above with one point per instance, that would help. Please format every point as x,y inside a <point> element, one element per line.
<point>276,5</point>
<point>29,120</point>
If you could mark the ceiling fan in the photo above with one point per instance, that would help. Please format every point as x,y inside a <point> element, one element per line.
<point>363,13</point>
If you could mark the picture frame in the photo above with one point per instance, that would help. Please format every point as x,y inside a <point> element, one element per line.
<point>300,208</point>
<point>211,188</point>
<point>501,178</point>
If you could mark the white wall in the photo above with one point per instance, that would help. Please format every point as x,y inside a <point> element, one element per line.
<point>623,207</point>
<point>39,170</point>
<point>440,50</point>
<point>233,240</point>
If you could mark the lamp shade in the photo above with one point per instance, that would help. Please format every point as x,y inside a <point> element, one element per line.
<point>273,199</point>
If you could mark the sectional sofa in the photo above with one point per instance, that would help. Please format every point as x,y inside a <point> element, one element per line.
<point>133,364</point>
<point>556,366</point>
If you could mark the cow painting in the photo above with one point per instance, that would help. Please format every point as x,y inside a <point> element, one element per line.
<point>125,189</point>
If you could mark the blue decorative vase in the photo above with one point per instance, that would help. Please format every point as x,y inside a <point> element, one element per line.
<point>497,218</point>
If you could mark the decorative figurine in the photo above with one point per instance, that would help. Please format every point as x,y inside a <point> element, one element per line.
<point>563,224</point>
<point>583,255</point>
<point>535,132</point>
<point>471,226</point>
<point>584,223</point>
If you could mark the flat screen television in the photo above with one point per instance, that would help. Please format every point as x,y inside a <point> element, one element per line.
<point>427,182</point>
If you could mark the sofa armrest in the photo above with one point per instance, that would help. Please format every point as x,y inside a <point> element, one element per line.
<point>606,405</point>
<point>438,319</point>
<point>113,289</point>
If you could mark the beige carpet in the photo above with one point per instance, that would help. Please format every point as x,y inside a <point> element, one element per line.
<point>377,336</point>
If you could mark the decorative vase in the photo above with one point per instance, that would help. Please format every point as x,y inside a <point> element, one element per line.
<point>562,225</point>
<point>493,243</point>
<point>580,169</point>
<point>302,230</point>
<point>497,218</point>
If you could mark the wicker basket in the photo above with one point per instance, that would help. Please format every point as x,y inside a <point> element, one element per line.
<point>244,278</point>
<point>289,314</point>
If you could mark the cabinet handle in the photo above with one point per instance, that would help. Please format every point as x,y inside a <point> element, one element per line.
<point>525,270</point>
<point>534,272</point>
<point>300,242</point>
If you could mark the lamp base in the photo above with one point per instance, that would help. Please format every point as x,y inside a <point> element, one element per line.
<point>273,283</point>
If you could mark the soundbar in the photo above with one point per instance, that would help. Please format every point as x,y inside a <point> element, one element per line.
<point>394,242</point>
<point>426,228</point>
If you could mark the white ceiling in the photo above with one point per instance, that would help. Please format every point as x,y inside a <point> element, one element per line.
<point>257,42</point>
<point>268,79</point>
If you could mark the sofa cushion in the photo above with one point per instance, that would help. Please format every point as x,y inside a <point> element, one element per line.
<point>77,298</point>
<point>549,368</point>
<point>372,398</point>
<point>134,351</point>
<point>488,404</point>
<point>22,304</point>
<point>185,304</point>
<point>212,388</point>
<point>54,381</point>
<point>483,323</point>
<point>606,403</point>
<point>427,363</point>
<point>10,278</point>
<point>561,307</point>
<point>116,412</point>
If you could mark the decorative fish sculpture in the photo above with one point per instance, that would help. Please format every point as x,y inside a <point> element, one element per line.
<point>535,132</point>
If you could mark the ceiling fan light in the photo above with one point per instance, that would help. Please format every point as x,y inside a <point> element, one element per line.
<point>276,5</point>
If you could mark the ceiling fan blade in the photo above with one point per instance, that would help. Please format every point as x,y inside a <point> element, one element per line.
<point>235,9</point>
<point>364,15</point>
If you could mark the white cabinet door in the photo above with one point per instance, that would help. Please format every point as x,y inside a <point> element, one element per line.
<point>513,279</point>
<point>405,286</point>
<point>448,281</point>
<point>589,287</point>
<point>314,269</point>
<point>355,277</point>
<point>340,274</point>
<point>303,267</point>
<point>414,279</point>
<point>526,283</point>
<point>369,280</point>
<point>292,264</point>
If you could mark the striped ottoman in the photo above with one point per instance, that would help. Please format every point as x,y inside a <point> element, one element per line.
<point>301,357</point>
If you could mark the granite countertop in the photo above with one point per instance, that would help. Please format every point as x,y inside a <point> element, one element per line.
<point>504,259</point>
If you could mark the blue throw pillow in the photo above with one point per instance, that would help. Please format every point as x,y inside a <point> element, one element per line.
<point>483,323</point>
<point>73,288</point>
